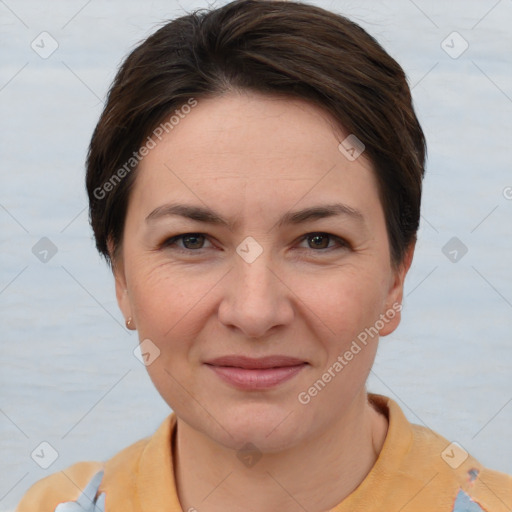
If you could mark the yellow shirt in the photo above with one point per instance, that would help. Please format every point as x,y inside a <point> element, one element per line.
<point>416,471</point>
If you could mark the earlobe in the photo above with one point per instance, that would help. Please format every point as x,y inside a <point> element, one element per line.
<point>123,299</point>
<point>393,306</point>
<point>401,272</point>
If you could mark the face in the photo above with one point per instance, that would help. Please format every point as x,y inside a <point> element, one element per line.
<point>249,233</point>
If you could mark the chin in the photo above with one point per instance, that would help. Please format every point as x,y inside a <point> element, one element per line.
<point>269,427</point>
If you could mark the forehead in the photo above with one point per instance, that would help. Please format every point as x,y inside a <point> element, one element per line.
<point>271,147</point>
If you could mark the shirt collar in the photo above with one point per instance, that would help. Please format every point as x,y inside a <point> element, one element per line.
<point>156,479</point>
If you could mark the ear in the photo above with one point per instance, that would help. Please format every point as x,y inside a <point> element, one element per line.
<point>123,299</point>
<point>391,316</point>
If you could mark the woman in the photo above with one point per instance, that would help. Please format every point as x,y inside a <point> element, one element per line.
<point>255,183</point>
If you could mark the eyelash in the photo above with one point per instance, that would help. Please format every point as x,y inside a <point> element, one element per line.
<point>170,242</point>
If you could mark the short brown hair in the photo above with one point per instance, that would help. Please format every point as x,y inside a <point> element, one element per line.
<point>271,47</point>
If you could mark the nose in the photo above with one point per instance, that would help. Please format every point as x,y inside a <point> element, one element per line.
<point>255,298</point>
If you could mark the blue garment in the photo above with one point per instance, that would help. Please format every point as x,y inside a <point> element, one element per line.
<point>87,501</point>
<point>464,503</point>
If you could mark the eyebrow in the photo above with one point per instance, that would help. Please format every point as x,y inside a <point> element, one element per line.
<point>203,214</point>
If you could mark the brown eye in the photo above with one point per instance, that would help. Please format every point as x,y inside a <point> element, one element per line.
<point>193,241</point>
<point>189,241</point>
<point>319,240</point>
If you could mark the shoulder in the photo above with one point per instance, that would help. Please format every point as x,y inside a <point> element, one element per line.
<point>68,484</point>
<point>428,472</point>
<point>455,471</point>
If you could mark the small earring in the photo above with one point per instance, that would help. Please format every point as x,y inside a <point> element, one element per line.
<point>129,324</point>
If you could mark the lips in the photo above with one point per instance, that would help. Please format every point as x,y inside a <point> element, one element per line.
<point>256,373</point>
<point>250,363</point>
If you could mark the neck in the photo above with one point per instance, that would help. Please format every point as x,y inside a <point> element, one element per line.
<point>316,474</point>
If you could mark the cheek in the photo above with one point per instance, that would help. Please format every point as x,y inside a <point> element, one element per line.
<point>169,312</point>
<point>345,301</point>
<point>349,306</point>
<point>168,302</point>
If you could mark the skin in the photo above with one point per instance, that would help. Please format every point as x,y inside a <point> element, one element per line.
<point>252,158</point>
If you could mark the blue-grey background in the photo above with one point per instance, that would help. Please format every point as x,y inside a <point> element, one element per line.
<point>68,373</point>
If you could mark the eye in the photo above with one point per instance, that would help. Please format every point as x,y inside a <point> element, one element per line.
<point>190,242</point>
<point>194,242</point>
<point>321,240</point>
